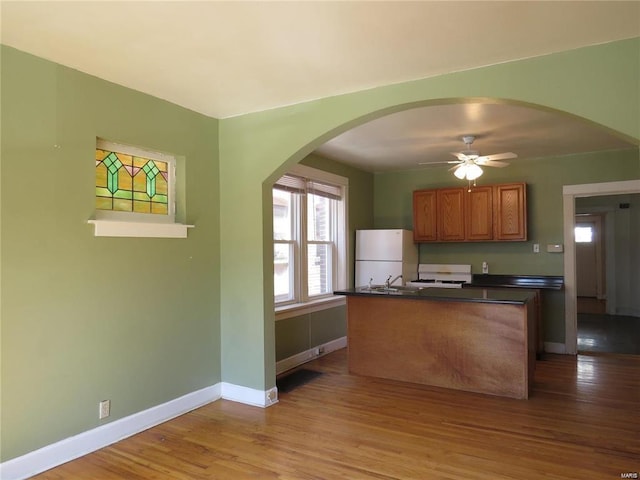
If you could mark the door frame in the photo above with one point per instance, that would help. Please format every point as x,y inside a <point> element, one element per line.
<point>569,194</point>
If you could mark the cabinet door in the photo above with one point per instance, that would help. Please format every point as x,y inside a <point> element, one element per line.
<point>451,214</point>
<point>479,210</point>
<point>424,216</point>
<point>511,211</point>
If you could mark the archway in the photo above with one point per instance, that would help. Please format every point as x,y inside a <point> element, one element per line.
<point>558,258</point>
<point>255,149</point>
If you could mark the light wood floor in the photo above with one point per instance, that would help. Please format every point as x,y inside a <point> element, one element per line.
<point>582,422</point>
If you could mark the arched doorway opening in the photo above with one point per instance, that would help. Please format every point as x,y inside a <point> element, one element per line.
<point>399,210</point>
<point>256,149</point>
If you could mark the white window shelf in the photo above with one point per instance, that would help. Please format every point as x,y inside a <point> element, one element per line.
<point>297,309</point>
<point>115,228</point>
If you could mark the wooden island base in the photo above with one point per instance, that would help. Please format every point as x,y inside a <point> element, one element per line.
<point>478,347</point>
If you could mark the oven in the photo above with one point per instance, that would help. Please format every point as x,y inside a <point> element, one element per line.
<point>433,275</point>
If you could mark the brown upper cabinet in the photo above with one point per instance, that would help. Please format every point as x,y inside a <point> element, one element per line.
<point>450,213</point>
<point>511,211</point>
<point>425,220</point>
<point>485,213</point>
<point>479,217</point>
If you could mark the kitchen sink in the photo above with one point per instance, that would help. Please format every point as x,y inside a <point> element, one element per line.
<point>407,288</point>
<point>383,289</point>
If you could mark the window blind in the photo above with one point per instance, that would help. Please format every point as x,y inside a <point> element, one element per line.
<point>291,183</point>
<point>324,190</point>
<point>300,185</point>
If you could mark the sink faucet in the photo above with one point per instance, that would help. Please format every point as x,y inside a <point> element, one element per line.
<point>390,282</point>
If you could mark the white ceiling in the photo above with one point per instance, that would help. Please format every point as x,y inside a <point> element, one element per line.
<point>227,58</point>
<point>406,139</point>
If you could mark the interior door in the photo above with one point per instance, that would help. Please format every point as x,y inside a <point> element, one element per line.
<point>589,259</point>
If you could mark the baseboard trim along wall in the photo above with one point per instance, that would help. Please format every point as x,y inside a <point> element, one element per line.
<point>249,396</point>
<point>628,311</point>
<point>310,354</point>
<point>553,347</point>
<point>84,443</point>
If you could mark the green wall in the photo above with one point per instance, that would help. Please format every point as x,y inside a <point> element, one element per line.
<point>298,334</point>
<point>545,179</point>
<point>133,320</point>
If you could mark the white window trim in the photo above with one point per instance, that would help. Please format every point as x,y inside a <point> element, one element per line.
<point>287,310</point>
<point>292,254</point>
<point>108,223</point>
<point>296,309</point>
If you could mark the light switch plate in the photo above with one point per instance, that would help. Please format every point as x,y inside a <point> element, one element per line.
<point>555,248</point>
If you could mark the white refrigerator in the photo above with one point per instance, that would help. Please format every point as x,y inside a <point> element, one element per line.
<point>383,253</point>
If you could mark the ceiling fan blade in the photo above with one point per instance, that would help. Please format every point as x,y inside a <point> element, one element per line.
<point>455,167</point>
<point>460,156</point>
<point>498,156</point>
<point>493,163</point>
<point>439,163</point>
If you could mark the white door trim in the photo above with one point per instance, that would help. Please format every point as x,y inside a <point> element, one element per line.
<point>569,194</point>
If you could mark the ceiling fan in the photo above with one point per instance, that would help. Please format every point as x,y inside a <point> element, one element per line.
<point>467,165</point>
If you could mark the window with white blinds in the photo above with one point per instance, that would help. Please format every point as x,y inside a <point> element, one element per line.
<point>301,185</point>
<point>308,235</point>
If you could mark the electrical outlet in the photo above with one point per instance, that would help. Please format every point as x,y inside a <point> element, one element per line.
<point>104,409</point>
<point>536,248</point>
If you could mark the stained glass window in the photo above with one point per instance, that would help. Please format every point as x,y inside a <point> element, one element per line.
<point>126,182</point>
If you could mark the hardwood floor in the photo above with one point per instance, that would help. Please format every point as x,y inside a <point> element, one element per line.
<point>582,421</point>
<point>608,333</point>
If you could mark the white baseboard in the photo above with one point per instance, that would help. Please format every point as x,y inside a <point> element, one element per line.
<point>84,443</point>
<point>553,347</point>
<point>249,396</point>
<point>628,311</point>
<point>310,354</point>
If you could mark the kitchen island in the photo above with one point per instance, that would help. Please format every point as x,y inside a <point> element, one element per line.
<point>478,340</point>
<point>542,285</point>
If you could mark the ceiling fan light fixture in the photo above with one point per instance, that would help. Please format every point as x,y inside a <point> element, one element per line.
<point>461,171</point>
<point>473,171</point>
<point>468,171</point>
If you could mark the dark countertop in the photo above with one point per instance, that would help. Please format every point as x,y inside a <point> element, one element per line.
<point>477,295</point>
<point>546,282</point>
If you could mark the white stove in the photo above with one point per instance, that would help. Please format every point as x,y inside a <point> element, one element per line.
<point>433,275</point>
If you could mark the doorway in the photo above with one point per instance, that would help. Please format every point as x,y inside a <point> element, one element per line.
<point>590,268</point>
<point>620,277</point>
<point>600,327</point>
